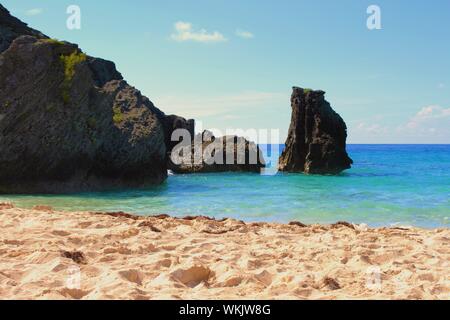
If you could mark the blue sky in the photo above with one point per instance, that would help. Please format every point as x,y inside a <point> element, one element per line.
<point>232,63</point>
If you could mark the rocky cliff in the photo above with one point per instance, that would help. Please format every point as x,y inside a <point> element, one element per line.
<point>69,122</point>
<point>11,28</point>
<point>317,136</point>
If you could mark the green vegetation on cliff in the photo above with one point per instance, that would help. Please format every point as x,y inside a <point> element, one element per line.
<point>117,115</point>
<point>53,41</point>
<point>70,62</point>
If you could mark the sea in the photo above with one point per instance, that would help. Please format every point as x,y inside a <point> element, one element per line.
<point>388,185</point>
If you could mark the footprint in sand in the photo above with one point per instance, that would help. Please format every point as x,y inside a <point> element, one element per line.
<point>193,276</point>
<point>150,248</point>
<point>303,293</point>
<point>165,263</point>
<point>60,267</point>
<point>84,225</point>
<point>15,254</point>
<point>255,264</point>
<point>13,242</point>
<point>132,275</point>
<point>382,258</point>
<point>129,233</point>
<point>108,258</point>
<point>75,240</point>
<point>61,233</point>
<point>76,294</point>
<point>124,250</point>
<point>265,277</point>
<point>110,250</point>
<point>426,277</point>
<point>169,248</point>
<point>232,282</point>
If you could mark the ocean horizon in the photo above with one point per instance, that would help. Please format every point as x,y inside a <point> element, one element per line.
<point>388,185</point>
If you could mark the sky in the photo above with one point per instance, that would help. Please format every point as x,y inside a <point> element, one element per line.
<point>231,64</point>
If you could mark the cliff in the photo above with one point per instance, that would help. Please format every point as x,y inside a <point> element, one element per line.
<point>11,28</point>
<point>317,136</point>
<point>69,122</point>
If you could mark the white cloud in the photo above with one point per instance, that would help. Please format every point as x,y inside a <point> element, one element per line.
<point>242,110</point>
<point>428,116</point>
<point>244,34</point>
<point>185,32</point>
<point>441,86</point>
<point>431,124</point>
<point>34,12</point>
<point>373,129</point>
<point>226,106</point>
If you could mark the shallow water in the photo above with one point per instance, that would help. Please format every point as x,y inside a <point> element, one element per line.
<point>388,185</point>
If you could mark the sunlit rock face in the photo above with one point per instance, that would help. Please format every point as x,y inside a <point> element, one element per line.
<point>69,122</point>
<point>316,142</point>
<point>207,153</point>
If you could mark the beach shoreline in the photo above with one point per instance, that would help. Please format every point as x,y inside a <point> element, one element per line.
<point>47,254</point>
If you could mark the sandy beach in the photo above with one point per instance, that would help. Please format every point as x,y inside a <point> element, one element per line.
<point>46,254</point>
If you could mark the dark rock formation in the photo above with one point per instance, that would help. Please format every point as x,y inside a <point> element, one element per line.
<point>103,71</point>
<point>172,123</point>
<point>69,122</point>
<point>210,155</point>
<point>317,136</point>
<point>11,28</point>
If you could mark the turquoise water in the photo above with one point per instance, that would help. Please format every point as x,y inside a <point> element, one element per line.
<point>388,185</point>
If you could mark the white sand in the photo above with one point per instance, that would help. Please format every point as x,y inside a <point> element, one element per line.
<point>80,255</point>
